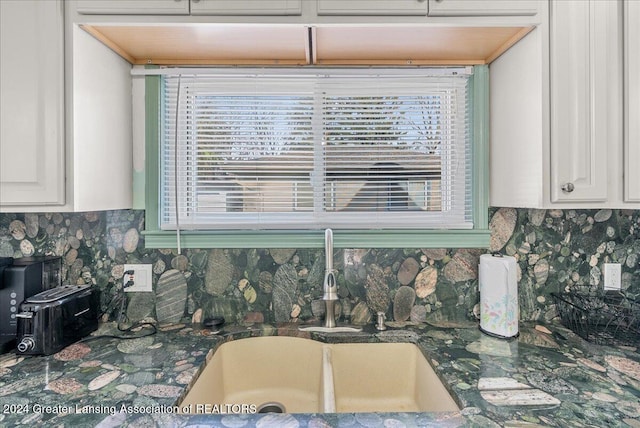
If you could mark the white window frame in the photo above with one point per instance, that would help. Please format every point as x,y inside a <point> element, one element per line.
<point>451,215</point>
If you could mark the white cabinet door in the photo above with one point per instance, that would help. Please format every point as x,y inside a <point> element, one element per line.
<point>246,7</point>
<point>133,7</point>
<point>32,103</point>
<point>586,89</point>
<point>482,7</point>
<point>632,100</point>
<point>372,7</point>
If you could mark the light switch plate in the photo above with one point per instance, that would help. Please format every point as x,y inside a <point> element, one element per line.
<point>142,278</point>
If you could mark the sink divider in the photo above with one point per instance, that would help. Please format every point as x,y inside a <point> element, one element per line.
<point>329,394</point>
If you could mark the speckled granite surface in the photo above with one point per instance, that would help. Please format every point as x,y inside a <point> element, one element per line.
<point>540,379</point>
<point>556,250</point>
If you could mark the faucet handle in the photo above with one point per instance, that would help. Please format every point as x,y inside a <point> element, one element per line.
<point>381,318</point>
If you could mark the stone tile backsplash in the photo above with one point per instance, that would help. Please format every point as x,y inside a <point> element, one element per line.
<point>555,249</point>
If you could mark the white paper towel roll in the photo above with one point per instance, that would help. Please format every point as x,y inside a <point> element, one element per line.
<point>498,282</point>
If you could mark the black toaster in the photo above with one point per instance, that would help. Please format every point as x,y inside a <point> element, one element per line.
<point>53,319</point>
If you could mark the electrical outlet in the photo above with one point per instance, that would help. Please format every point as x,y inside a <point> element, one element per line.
<point>141,278</point>
<point>612,276</point>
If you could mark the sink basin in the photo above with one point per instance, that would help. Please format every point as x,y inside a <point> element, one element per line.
<point>261,370</point>
<point>386,377</point>
<point>305,376</point>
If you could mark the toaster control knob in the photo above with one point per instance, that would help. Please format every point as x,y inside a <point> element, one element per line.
<point>26,344</point>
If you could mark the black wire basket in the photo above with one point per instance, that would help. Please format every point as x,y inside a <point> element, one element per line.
<point>609,318</point>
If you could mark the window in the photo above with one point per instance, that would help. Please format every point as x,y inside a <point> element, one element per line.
<point>304,149</point>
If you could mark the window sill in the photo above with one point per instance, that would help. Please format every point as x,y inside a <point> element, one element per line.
<point>475,238</point>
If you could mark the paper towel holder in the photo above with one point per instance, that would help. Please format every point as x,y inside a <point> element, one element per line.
<point>499,336</point>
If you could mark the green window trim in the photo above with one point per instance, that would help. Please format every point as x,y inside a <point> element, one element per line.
<point>478,237</point>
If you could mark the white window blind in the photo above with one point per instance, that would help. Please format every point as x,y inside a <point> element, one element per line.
<point>357,149</point>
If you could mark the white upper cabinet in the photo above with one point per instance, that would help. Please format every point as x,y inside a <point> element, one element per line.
<point>482,7</point>
<point>184,7</point>
<point>564,111</point>
<point>133,7</point>
<point>32,103</point>
<point>586,94</point>
<point>428,7</point>
<point>66,115</point>
<point>372,7</point>
<point>632,100</point>
<point>321,11</point>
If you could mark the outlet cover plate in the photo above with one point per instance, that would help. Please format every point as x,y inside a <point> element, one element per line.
<point>612,276</point>
<point>142,278</point>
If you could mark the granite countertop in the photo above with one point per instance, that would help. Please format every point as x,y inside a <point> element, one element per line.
<point>543,378</point>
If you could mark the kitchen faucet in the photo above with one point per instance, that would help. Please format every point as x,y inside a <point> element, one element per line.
<point>329,286</point>
<point>330,290</point>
